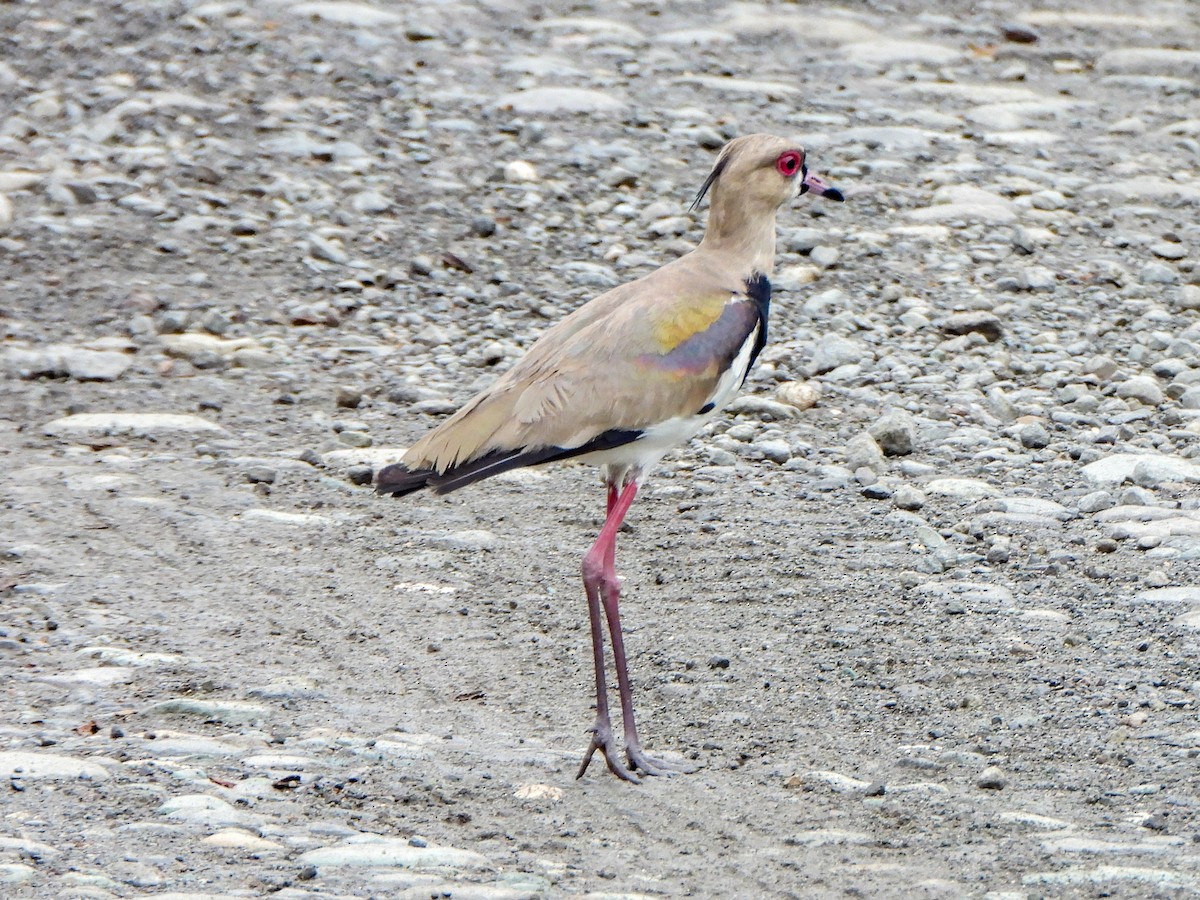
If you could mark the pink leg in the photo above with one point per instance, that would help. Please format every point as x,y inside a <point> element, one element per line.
<point>602,584</point>
<point>595,566</point>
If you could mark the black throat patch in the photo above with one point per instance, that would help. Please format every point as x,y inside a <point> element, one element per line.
<point>758,289</point>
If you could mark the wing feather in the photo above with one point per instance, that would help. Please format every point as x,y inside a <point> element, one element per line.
<point>626,365</point>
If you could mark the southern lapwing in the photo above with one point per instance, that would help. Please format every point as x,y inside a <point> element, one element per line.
<point>627,377</point>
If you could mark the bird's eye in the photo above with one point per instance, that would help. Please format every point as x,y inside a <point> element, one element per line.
<point>789,163</point>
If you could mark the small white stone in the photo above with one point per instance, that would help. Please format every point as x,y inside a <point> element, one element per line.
<point>800,394</point>
<point>546,792</point>
<point>240,839</point>
<point>520,171</point>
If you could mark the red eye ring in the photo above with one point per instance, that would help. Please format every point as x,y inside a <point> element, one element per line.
<point>789,163</point>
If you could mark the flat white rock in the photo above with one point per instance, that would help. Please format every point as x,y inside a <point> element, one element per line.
<point>394,852</point>
<point>130,423</point>
<point>962,488</point>
<point>240,839</point>
<point>1115,469</point>
<point>278,517</point>
<point>346,13</point>
<point>21,764</point>
<point>549,100</point>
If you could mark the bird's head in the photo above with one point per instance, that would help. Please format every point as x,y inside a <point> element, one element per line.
<point>762,170</point>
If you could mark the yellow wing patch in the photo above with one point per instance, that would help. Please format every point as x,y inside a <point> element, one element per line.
<point>675,324</point>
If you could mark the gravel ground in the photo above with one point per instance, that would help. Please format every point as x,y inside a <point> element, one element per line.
<point>924,607</point>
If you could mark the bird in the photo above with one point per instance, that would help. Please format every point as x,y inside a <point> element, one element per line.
<point>623,380</point>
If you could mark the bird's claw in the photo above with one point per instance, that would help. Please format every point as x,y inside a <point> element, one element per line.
<point>648,765</point>
<point>639,761</point>
<point>602,741</point>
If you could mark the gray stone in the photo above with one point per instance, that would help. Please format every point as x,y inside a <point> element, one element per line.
<point>895,432</point>
<point>991,779</point>
<point>862,452</point>
<point>1095,502</point>
<point>1116,469</point>
<point>1142,388</point>
<point>322,248</point>
<point>980,322</point>
<point>833,351</point>
<point>1150,473</point>
<point>824,256</point>
<point>371,202</point>
<point>1102,367</point>
<point>1188,297</point>
<point>1034,508</point>
<point>777,451</point>
<point>1169,250</point>
<point>1158,273</point>
<point>908,498</point>
<point>1037,278</point>
<point>1034,436</point>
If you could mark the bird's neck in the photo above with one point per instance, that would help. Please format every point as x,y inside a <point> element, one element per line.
<point>742,232</point>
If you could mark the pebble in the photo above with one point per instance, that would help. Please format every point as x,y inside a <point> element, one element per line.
<point>863,453</point>
<point>1188,297</point>
<point>520,171</point>
<point>909,498</point>
<point>895,432</point>
<point>1034,436</point>
<point>992,779</point>
<point>777,451</point>
<point>833,351</point>
<point>1142,388</point>
<point>800,394</point>
<point>984,323</point>
<point>1158,273</point>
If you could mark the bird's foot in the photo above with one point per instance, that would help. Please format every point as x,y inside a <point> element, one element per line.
<point>602,740</point>
<point>648,765</point>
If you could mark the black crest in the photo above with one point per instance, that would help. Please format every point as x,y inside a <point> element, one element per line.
<point>710,181</point>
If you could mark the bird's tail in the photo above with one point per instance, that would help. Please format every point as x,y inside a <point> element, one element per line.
<point>398,480</point>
